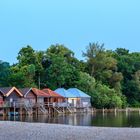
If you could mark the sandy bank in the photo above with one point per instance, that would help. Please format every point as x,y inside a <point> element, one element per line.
<point>42,131</point>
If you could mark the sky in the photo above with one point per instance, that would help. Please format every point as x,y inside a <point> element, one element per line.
<point>74,23</point>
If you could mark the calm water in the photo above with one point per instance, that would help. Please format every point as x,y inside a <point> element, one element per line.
<point>120,119</point>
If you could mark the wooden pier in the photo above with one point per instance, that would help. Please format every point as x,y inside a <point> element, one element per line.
<point>17,108</point>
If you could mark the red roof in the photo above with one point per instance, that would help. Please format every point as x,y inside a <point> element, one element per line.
<point>52,93</point>
<point>40,92</point>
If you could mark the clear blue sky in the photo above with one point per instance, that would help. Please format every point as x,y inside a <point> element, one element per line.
<point>74,23</point>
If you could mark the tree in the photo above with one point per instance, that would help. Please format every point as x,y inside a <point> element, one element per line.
<point>132,90</point>
<point>30,59</point>
<point>86,83</point>
<point>129,66</point>
<point>60,73</point>
<point>122,51</point>
<point>4,73</point>
<point>22,77</point>
<point>67,54</point>
<point>61,68</point>
<point>103,66</point>
<point>105,97</point>
<point>94,52</point>
<point>59,50</point>
<point>26,56</point>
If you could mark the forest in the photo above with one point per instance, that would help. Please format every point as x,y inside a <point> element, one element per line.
<point>111,78</point>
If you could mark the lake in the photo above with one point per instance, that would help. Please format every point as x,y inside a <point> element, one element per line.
<point>120,119</point>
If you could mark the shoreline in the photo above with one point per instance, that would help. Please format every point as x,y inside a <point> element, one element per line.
<point>45,131</point>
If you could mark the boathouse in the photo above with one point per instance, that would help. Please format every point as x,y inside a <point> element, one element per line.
<point>30,96</point>
<point>54,97</point>
<point>71,99</point>
<point>84,99</point>
<point>11,95</point>
<point>33,95</point>
<point>40,95</point>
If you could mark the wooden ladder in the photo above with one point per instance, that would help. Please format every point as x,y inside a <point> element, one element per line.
<point>43,109</point>
<point>69,109</point>
<point>59,109</point>
<point>28,109</point>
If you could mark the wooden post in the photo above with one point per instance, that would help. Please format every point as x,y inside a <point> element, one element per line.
<point>103,112</point>
<point>92,110</point>
<point>21,113</point>
<point>63,110</point>
<point>7,110</point>
<point>49,110</point>
<point>14,110</point>
<point>115,111</point>
<point>4,112</point>
<point>36,110</point>
<point>126,111</point>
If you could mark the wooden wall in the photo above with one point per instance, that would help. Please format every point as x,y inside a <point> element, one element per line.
<point>1,99</point>
<point>31,97</point>
<point>14,96</point>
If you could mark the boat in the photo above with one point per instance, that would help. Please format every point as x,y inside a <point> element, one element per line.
<point>13,113</point>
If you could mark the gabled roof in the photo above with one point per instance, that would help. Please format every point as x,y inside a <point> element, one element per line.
<point>6,91</point>
<point>36,91</point>
<point>40,93</point>
<point>64,93</point>
<point>78,92</point>
<point>52,93</point>
<point>25,91</point>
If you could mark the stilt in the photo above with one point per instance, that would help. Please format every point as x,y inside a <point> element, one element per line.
<point>126,111</point>
<point>21,115</point>
<point>63,110</point>
<point>103,112</point>
<point>115,111</point>
<point>14,109</point>
<point>36,113</point>
<point>4,112</point>
<point>92,110</point>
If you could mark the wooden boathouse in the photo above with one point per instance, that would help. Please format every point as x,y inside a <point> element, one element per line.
<point>34,101</point>
<point>53,96</point>
<point>11,98</point>
<point>70,98</point>
<point>83,100</point>
<point>56,102</point>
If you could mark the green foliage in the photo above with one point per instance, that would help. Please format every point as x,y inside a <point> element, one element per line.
<point>4,73</point>
<point>59,73</point>
<point>59,50</point>
<point>129,66</point>
<point>22,77</point>
<point>86,83</point>
<point>26,56</point>
<point>105,97</point>
<point>111,78</point>
<point>103,66</point>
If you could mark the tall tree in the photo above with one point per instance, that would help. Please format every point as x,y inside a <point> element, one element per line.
<point>4,73</point>
<point>26,56</point>
<point>103,66</point>
<point>129,66</point>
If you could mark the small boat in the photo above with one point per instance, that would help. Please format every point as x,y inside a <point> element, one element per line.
<point>13,113</point>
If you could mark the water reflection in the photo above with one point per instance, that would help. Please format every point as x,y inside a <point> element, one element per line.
<point>119,119</point>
